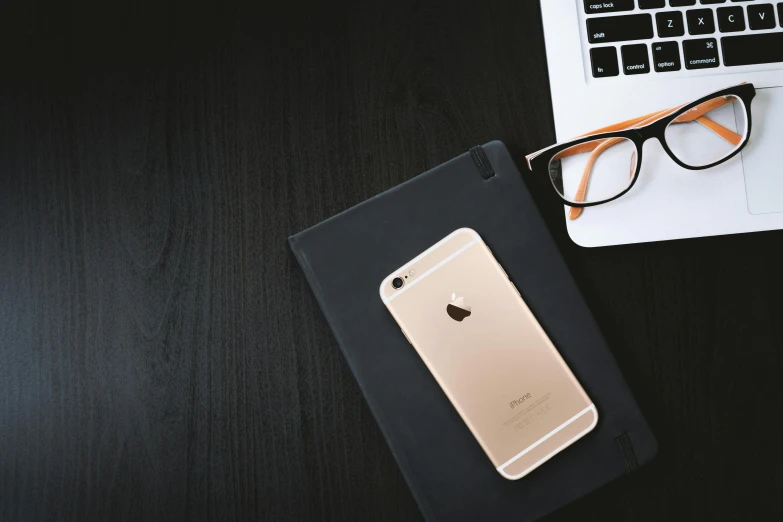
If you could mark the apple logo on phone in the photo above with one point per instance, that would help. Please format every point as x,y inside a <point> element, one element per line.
<point>457,309</point>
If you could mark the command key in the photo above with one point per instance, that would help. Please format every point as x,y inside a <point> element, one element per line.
<point>701,54</point>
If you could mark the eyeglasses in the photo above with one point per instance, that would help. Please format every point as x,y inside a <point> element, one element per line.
<point>604,164</point>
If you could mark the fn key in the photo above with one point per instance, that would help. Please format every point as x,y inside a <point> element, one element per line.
<point>604,60</point>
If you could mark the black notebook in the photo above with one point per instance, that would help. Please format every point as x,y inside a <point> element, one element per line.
<point>345,258</point>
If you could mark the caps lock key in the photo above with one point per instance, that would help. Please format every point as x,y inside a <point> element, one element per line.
<point>607,6</point>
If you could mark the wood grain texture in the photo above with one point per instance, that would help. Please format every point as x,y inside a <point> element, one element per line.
<point>161,356</point>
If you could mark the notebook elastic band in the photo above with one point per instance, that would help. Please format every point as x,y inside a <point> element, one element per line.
<point>482,162</point>
<point>629,456</point>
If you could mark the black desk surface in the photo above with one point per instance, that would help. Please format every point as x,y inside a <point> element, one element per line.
<point>161,356</point>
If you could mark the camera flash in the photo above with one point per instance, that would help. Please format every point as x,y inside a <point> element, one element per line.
<point>411,272</point>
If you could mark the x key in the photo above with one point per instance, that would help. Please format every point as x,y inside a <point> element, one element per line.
<point>700,21</point>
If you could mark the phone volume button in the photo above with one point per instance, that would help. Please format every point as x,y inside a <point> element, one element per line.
<point>406,336</point>
<point>504,272</point>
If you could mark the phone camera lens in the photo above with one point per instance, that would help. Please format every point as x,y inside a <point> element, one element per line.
<point>397,283</point>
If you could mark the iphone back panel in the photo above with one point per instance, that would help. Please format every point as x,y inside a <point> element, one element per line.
<point>469,324</point>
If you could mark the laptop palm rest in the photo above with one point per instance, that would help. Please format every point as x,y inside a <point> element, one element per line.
<point>762,158</point>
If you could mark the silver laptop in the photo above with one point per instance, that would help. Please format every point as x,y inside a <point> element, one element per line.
<point>598,79</point>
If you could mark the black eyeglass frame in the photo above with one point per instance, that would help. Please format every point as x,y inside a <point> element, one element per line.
<point>539,162</point>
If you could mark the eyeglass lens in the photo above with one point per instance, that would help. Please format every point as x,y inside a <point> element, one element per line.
<point>594,171</point>
<point>709,132</point>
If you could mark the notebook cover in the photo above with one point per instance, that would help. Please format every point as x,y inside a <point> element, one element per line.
<point>346,257</point>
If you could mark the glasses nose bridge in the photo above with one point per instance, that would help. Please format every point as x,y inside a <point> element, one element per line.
<point>654,130</point>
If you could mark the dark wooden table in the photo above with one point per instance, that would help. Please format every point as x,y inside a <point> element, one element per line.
<point>161,356</point>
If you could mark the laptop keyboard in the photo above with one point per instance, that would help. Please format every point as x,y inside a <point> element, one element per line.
<point>637,37</point>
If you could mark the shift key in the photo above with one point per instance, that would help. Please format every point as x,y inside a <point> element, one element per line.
<point>619,28</point>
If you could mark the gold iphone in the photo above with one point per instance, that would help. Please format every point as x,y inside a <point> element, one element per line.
<point>456,306</point>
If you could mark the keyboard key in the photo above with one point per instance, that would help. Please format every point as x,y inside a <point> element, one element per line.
<point>652,4</point>
<point>701,54</point>
<point>761,16</point>
<point>713,1</point>
<point>635,59</point>
<point>731,19</point>
<point>670,24</point>
<point>607,6</point>
<point>780,14</point>
<point>666,56</point>
<point>604,61</point>
<point>619,28</point>
<point>681,3</point>
<point>700,21</point>
<point>748,49</point>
